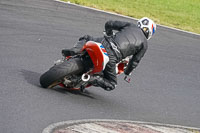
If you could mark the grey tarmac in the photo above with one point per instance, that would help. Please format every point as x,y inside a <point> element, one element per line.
<point>165,88</point>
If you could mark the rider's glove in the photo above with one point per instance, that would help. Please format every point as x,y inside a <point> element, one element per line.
<point>108,33</point>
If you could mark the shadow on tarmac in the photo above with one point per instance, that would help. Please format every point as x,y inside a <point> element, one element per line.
<point>33,79</point>
<point>75,92</point>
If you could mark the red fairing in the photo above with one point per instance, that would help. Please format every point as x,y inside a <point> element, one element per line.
<point>62,85</point>
<point>67,57</point>
<point>95,54</point>
<point>120,68</point>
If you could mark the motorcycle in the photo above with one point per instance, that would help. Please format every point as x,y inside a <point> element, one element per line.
<point>74,72</point>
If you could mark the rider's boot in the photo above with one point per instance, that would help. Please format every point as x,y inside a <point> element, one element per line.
<point>68,52</point>
<point>98,81</point>
<point>75,50</point>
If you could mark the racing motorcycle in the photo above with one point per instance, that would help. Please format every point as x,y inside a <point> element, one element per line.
<point>74,72</point>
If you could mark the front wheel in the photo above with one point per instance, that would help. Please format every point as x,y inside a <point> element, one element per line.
<point>55,75</point>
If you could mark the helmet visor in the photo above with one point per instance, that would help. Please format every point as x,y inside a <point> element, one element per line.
<point>145,22</point>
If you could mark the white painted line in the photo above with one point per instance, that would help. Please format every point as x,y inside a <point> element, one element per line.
<point>69,3</point>
<point>168,130</point>
<point>162,127</point>
<point>91,127</point>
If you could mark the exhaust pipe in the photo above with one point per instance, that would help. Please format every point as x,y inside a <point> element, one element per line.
<point>85,77</point>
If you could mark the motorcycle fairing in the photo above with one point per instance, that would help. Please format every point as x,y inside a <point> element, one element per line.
<point>122,65</point>
<point>98,55</point>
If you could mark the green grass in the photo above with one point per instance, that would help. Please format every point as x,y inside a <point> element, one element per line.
<point>182,14</point>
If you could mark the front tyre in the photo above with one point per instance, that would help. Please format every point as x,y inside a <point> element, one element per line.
<point>55,75</point>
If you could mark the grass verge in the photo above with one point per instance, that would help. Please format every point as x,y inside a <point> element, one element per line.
<point>181,14</point>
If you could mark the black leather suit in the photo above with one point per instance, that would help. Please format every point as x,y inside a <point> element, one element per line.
<point>129,40</point>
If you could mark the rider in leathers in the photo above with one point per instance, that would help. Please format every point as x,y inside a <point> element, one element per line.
<point>130,40</point>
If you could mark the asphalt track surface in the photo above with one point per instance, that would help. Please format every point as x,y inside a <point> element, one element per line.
<point>165,87</point>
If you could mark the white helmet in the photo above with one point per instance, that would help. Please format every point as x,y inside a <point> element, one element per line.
<point>148,27</point>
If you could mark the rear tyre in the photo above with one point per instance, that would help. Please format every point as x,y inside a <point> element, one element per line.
<point>55,75</point>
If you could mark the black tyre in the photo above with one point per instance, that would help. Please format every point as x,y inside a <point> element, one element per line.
<point>55,74</point>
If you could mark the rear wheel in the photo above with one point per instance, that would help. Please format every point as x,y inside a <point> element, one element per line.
<point>55,75</point>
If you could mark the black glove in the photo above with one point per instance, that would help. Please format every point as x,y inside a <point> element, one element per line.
<point>68,52</point>
<point>130,68</point>
<point>109,32</point>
